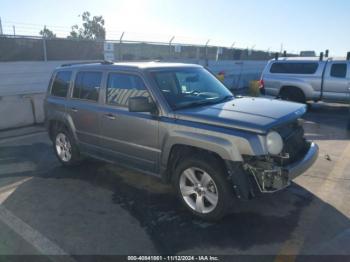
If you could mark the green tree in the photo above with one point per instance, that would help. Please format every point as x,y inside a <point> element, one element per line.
<point>92,28</point>
<point>47,33</point>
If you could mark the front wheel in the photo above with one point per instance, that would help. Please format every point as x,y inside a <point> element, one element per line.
<point>203,187</point>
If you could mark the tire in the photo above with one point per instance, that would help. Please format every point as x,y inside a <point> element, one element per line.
<point>65,147</point>
<point>201,184</point>
<point>293,94</point>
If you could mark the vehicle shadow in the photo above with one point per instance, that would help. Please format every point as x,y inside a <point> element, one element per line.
<point>59,201</point>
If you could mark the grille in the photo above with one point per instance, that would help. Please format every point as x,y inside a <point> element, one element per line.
<point>295,144</point>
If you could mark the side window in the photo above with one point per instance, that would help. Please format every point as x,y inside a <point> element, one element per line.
<point>304,68</point>
<point>339,70</point>
<point>60,84</point>
<point>120,87</point>
<point>87,85</point>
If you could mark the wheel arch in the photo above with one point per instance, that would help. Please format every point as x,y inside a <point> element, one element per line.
<point>305,88</point>
<point>179,151</point>
<point>194,141</point>
<point>59,120</point>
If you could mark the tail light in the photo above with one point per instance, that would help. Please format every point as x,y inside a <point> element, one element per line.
<point>261,84</point>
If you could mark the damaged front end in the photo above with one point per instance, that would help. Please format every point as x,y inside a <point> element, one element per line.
<point>268,176</point>
<point>273,173</point>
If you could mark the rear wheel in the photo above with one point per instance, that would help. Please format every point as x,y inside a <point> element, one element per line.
<point>65,148</point>
<point>202,186</point>
<point>293,94</point>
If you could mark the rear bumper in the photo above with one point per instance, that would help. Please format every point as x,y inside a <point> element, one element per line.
<point>296,169</point>
<point>271,91</point>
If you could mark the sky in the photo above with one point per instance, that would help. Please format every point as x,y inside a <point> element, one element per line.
<point>292,25</point>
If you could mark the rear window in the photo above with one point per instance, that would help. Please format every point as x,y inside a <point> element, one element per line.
<point>294,68</point>
<point>60,84</point>
<point>87,85</point>
<point>339,70</point>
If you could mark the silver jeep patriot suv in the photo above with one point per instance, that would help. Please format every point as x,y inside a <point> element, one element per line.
<point>179,123</point>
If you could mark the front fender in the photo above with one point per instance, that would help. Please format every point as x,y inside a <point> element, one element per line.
<point>223,147</point>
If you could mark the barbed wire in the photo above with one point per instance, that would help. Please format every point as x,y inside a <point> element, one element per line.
<point>32,29</point>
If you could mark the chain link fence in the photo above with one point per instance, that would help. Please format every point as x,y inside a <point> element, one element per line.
<point>30,48</point>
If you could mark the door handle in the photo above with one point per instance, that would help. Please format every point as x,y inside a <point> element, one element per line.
<point>74,109</point>
<point>110,116</point>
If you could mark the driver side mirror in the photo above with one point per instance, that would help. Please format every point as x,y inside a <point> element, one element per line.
<point>141,104</point>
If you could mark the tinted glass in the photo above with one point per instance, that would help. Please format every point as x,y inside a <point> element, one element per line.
<point>189,87</point>
<point>87,85</point>
<point>60,85</point>
<point>121,87</point>
<point>294,68</point>
<point>339,70</point>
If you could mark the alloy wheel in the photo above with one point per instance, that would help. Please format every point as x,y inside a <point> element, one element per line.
<point>198,190</point>
<point>63,147</point>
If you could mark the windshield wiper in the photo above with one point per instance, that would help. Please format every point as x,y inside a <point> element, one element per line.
<point>204,102</point>
<point>193,104</point>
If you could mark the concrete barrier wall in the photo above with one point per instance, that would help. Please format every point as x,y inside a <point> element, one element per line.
<point>21,110</point>
<point>23,86</point>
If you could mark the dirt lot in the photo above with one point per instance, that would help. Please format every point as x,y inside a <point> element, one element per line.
<point>103,209</point>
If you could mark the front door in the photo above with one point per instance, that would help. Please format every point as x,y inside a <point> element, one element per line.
<point>130,137</point>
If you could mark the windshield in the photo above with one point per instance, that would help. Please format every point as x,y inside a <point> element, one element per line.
<point>187,87</point>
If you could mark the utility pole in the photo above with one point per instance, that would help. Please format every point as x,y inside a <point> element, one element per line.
<point>170,42</point>
<point>120,46</point>
<point>1,32</point>
<point>206,53</point>
<point>44,49</point>
<point>233,51</point>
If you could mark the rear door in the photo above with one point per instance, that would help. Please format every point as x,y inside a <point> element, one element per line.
<point>55,102</point>
<point>130,137</point>
<point>336,82</point>
<point>84,109</point>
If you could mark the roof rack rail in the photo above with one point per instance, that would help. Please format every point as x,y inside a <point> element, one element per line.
<point>103,62</point>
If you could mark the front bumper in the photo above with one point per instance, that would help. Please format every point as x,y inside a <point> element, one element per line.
<point>296,169</point>
<point>270,177</point>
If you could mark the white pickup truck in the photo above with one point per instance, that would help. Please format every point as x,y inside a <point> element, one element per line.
<point>303,79</point>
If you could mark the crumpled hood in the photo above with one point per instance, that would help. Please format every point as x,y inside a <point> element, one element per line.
<point>247,113</point>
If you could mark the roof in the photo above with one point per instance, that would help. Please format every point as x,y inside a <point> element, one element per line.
<point>314,58</point>
<point>140,65</point>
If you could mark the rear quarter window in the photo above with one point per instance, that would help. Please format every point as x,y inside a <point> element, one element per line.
<point>293,68</point>
<point>61,83</point>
